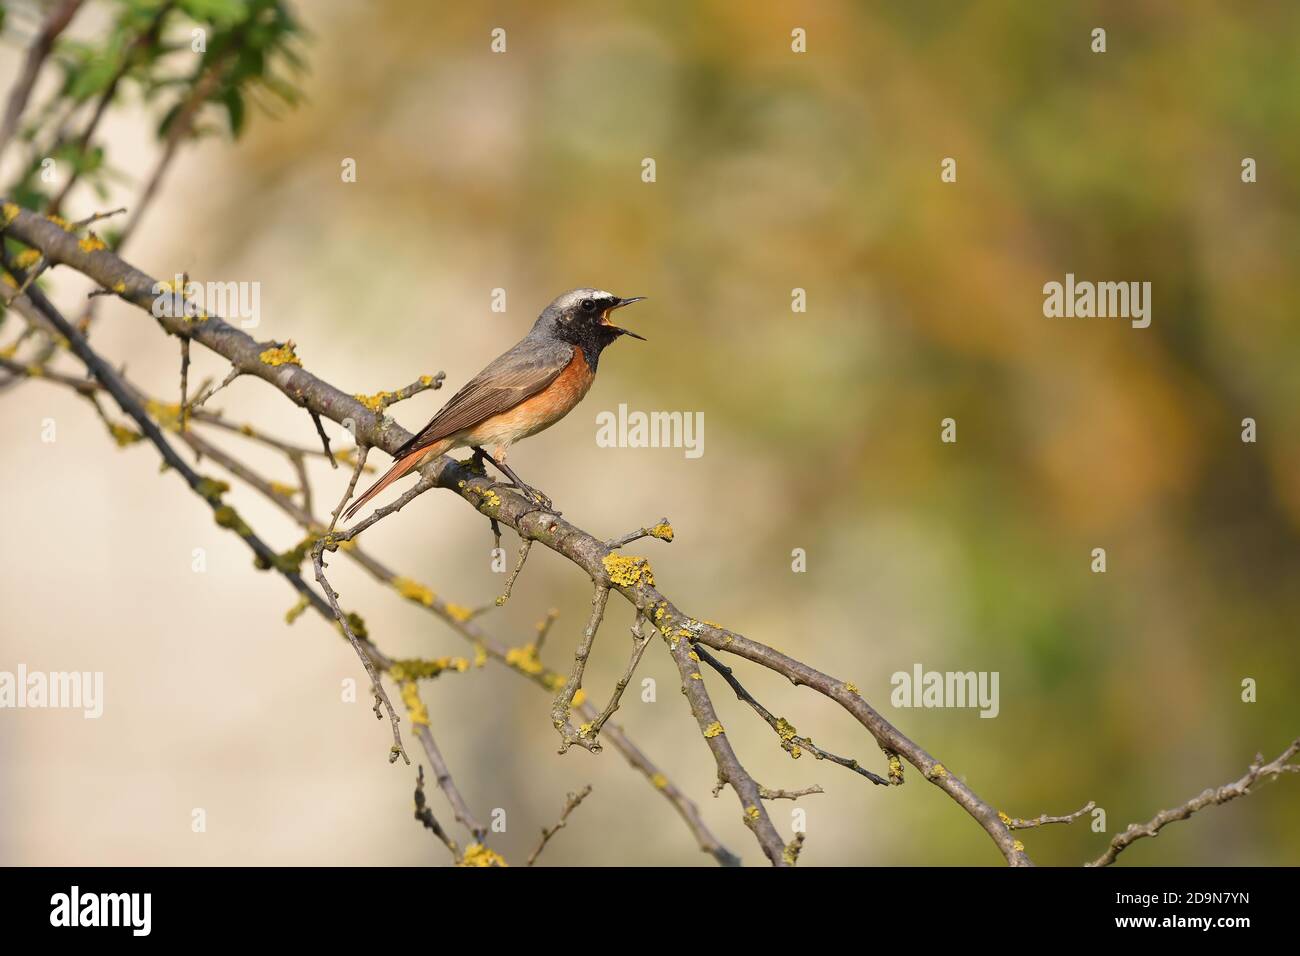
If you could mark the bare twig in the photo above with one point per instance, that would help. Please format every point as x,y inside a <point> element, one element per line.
<point>1207,798</point>
<point>381,695</point>
<point>791,742</point>
<point>769,794</point>
<point>55,23</point>
<point>570,804</point>
<point>525,546</point>
<point>563,703</point>
<point>185,381</point>
<point>639,641</point>
<point>364,450</point>
<point>425,815</point>
<point>325,441</point>
<point>419,716</point>
<point>1043,819</point>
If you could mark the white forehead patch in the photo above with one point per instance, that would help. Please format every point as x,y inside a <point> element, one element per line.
<point>577,295</point>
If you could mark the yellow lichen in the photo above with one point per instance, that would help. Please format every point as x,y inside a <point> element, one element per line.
<point>696,676</point>
<point>478,855</point>
<point>414,669</point>
<point>752,812</point>
<point>228,517</point>
<point>27,258</point>
<point>1004,818</point>
<point>414,591</point>
<point>851,687</point>
<point>376,402</point>
<point>280,488</point>
<point>693,656</point>
<point>663,531</point>
<point>92,243</point>
<point>280,355</point>
<point>579,697</point>
<point>295,612</point>
<point>628,571</point>
<point>426,380</point>
<point>119,287</point>
<point>167,413</point>
<point>585,729</point>
<point>659,781</point>
<point>414,706</point>
<point>713,729</point>
<point>1018,846</point>
<point>784,729</point>
<point>895,769</point>
<point>480,655</point>
<point>212,488</point>
<point>937,772</point>
<point>8,213</point>
<point>525,659</point>
<point>58,221</point>
<point>458,612</point>
<point>122,435</point>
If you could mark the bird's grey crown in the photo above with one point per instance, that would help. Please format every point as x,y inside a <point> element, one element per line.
<point>565,301</point>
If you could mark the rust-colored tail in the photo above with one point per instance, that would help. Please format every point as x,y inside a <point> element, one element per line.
<point>400,467</point>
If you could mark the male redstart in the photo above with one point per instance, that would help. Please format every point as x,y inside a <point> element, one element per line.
<point>521,392</point>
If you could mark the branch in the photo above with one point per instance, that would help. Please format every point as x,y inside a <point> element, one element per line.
<point>791,742</point>
<point>630,577</point>
<point>571,804</point>
<point>425,815</point>
<point>55,24</point>
<point>1207,798</point>
<point>730,769</point>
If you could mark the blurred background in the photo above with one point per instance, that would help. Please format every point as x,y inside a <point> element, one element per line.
<point>775,171</point>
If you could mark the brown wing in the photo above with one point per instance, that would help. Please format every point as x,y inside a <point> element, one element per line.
<point>507,380</point>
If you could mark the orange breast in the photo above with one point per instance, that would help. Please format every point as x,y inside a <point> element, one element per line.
<point>541,410</point>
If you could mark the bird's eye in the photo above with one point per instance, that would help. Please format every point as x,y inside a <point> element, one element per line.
<point>587,305</point>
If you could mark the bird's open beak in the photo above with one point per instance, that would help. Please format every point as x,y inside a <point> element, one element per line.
<point>618,305</point>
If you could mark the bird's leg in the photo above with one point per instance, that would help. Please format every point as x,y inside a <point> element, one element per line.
<point>540,499</point>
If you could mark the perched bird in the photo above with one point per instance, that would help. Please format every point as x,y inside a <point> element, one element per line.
<point>521,392</point>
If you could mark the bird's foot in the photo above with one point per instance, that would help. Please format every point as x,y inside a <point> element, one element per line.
<point>542,501</point>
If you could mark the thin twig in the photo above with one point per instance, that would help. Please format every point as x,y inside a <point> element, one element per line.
<point>560,710</point>
<point>381,695</point>
<point>570,804</point>
<point>791,742</point>
<point>639,643</point>
<point>37,53</point>
<point>419,715</point>
<point>1207,798</point>
<point>425,815</point>
<point>1043,819</point>
<point>525,545</point>
<point>352,484</point>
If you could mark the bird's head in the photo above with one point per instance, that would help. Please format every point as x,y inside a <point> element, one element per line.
<point>582,317</point>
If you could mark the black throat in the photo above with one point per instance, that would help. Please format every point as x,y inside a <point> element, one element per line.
<point>593,340</point>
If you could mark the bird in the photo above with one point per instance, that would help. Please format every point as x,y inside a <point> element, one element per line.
<point>524,390</point>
